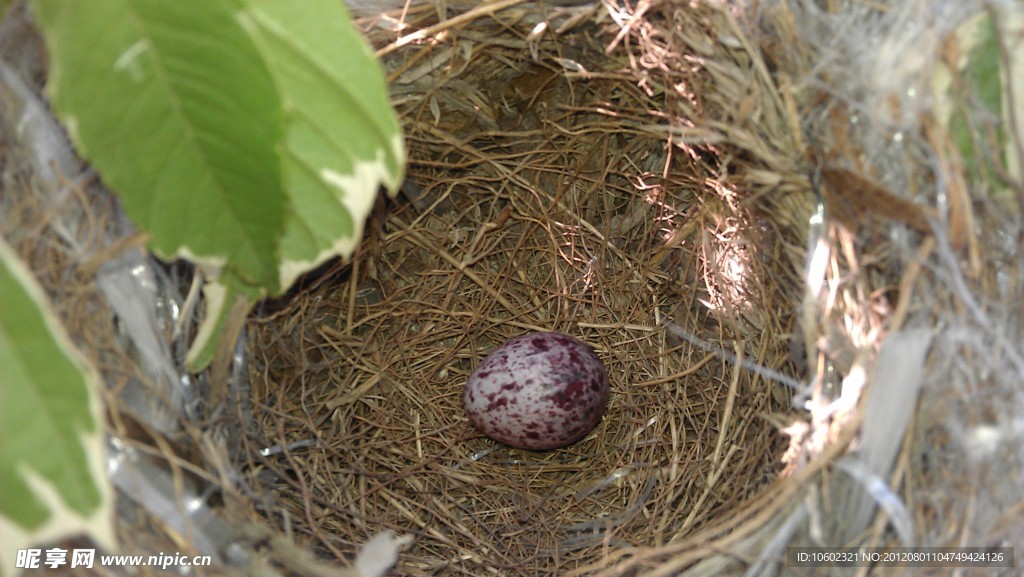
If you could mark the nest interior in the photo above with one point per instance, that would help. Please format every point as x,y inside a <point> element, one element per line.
<point>641,177</point>
<point>552,186</point>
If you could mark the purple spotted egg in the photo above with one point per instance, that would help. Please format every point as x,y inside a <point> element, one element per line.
<point>537,391</point>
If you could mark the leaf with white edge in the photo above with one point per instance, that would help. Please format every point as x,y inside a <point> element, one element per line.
<point>52,478</point>
<point>249,136</point>
<point>212,329</point>
<point>174,106</point>
<point>228,303</point>
<point>343,140</point>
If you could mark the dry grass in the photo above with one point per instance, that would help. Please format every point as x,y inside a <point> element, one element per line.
<point>554,197</point>
<point>645,179</point>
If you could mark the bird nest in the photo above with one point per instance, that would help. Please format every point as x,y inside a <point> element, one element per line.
<point>686,188</point>
<point>548,191</point>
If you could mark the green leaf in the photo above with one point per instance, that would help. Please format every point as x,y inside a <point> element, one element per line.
<point>173,104</point>
<point>52,481</point>
<point>976,126</point>
<point>973,100</point>
<point>343,139</point>
<point>249,136</point>
<point>226,300</point>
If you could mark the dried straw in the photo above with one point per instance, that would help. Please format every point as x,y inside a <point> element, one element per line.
<point>725,203</point>
<point>552,192</point>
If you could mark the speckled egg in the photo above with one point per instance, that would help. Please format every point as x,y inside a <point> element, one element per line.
<point>537,391</point>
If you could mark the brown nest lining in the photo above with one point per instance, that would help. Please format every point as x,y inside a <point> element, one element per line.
<point>552,196</point>
<point>642,179</point>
